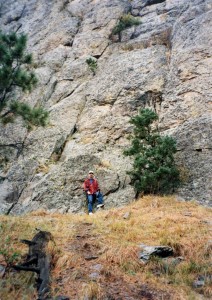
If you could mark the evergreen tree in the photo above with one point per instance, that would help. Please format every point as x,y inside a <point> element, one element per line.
<point>15,74</point>
<point>154,169</point>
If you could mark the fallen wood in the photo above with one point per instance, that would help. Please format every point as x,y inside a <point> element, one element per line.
<point>39,261</point>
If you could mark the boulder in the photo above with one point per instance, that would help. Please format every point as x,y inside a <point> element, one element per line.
<point>149,251</point>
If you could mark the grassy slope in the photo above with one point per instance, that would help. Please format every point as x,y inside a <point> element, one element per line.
<point>116,272</point>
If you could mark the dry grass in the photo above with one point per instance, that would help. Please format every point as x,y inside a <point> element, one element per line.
<point>90,290</point>
<point>115,241</point>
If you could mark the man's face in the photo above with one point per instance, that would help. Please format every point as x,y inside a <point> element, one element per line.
<point>91,175</point>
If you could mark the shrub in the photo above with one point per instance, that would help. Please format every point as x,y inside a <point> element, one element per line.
<point>92,63</point>
<point>154,170</point>
<point>124,22</point>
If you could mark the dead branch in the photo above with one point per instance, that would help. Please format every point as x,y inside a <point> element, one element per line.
<point>39,261</point>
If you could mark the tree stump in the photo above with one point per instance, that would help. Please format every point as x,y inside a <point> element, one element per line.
<point>39,261</point>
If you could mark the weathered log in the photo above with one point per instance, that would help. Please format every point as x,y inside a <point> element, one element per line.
<point>39,261</point>
<point>23,268</point>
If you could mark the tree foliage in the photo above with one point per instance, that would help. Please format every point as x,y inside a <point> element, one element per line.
<point>154,170</point>
<point>15,73</point>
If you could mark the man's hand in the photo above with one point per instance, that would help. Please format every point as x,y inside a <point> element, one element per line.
<point>88,192</point>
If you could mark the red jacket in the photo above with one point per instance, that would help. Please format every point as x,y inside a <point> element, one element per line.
<point>91,187</point>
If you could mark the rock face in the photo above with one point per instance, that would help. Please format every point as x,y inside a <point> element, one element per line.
<point>163,63</point>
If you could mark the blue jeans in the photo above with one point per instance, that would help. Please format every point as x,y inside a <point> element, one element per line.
<point>91,198</point>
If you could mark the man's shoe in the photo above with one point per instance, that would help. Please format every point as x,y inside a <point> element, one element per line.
<point>100,205</point>
<point>90,213</point>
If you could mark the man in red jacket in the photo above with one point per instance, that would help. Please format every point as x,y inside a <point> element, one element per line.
<point>91,187</point>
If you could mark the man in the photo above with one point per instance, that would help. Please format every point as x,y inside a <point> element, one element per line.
<point>91,187</point>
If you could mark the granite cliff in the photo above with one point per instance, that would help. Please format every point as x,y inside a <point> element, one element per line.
<point>163,63</point>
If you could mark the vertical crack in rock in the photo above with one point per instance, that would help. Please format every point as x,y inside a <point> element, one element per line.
<point>60,145</point>
<point>10,209</point>
<point>51,92</point>
<point>69,94</point>
<point>115,189</point>
<point>18,194</point>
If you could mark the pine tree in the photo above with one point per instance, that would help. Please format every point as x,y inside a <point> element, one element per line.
<point>15,73</point>
<point>154,170</point>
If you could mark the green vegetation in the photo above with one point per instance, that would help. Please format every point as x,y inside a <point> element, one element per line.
<point>154,169</point>
<point>92,63</point>
<point>124,22</point>
<point>16,75</point>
